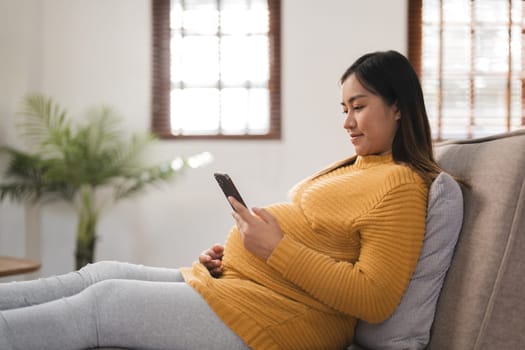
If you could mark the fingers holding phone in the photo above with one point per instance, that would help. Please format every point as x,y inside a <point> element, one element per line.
<point>260,232</point>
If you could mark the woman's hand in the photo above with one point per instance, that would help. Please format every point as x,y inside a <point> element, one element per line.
<point>212,259</point>
<point>260,232</point>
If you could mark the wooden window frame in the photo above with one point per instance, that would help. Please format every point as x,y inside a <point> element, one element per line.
<point>161,84</point>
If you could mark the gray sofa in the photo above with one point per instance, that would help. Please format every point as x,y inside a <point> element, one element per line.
<point>482,303</point>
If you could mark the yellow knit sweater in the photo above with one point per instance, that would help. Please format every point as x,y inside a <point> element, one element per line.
<point>352,237</point>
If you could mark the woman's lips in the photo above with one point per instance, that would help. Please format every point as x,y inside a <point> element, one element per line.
<point>355,137</point>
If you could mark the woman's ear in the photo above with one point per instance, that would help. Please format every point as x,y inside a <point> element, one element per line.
<point>397,111</point>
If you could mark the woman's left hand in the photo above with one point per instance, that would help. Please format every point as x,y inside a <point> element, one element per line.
<point>260,232</point>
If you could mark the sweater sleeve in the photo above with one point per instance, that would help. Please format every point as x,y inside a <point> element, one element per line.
<point>391,238</point>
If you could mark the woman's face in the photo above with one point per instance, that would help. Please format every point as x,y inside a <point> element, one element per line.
<point>369,121</point>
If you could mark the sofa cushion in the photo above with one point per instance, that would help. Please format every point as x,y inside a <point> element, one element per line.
<point>409,325</point>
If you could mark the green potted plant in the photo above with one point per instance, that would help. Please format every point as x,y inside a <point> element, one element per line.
<point>75,163</point>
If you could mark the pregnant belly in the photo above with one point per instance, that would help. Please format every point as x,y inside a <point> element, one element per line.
<point>237,259</point>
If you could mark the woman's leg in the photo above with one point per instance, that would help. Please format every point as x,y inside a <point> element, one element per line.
<point>20,294</point>
<point>120,313</point>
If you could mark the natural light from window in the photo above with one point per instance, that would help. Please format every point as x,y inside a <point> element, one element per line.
<point>219,67</point>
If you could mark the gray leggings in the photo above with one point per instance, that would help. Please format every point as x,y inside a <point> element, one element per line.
<point>110,304</point>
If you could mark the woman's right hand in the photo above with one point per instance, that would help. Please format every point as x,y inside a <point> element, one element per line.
<point>212,259</point>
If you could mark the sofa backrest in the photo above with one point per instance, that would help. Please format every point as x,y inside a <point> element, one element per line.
<point>482,303</point>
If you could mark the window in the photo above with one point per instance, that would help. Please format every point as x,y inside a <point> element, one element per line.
<point>216,68</point>
<point>468,55</point>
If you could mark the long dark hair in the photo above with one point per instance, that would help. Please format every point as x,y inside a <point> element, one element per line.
<point>389,75</point>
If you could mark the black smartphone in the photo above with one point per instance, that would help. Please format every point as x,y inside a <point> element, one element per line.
<point>226,184</point>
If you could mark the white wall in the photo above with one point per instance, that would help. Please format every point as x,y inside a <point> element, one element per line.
<point>86,52</point>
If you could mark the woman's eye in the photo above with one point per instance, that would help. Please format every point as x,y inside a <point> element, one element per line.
<point>356,108</point>
<point>345,112</point>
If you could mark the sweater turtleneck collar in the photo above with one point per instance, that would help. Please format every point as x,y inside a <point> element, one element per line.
<point>364,162</point>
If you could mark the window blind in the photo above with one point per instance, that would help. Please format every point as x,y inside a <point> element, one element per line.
<point>468,55</point>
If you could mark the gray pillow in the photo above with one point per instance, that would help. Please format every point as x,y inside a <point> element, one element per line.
<point>409,326</point>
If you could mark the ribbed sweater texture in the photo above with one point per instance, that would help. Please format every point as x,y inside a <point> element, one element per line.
<point>352,238</point>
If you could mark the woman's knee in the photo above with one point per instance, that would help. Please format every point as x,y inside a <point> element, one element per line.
<point>103,270</point>
<point>104,265</point>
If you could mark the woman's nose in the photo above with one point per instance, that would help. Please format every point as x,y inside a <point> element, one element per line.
<point>349,122</point>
